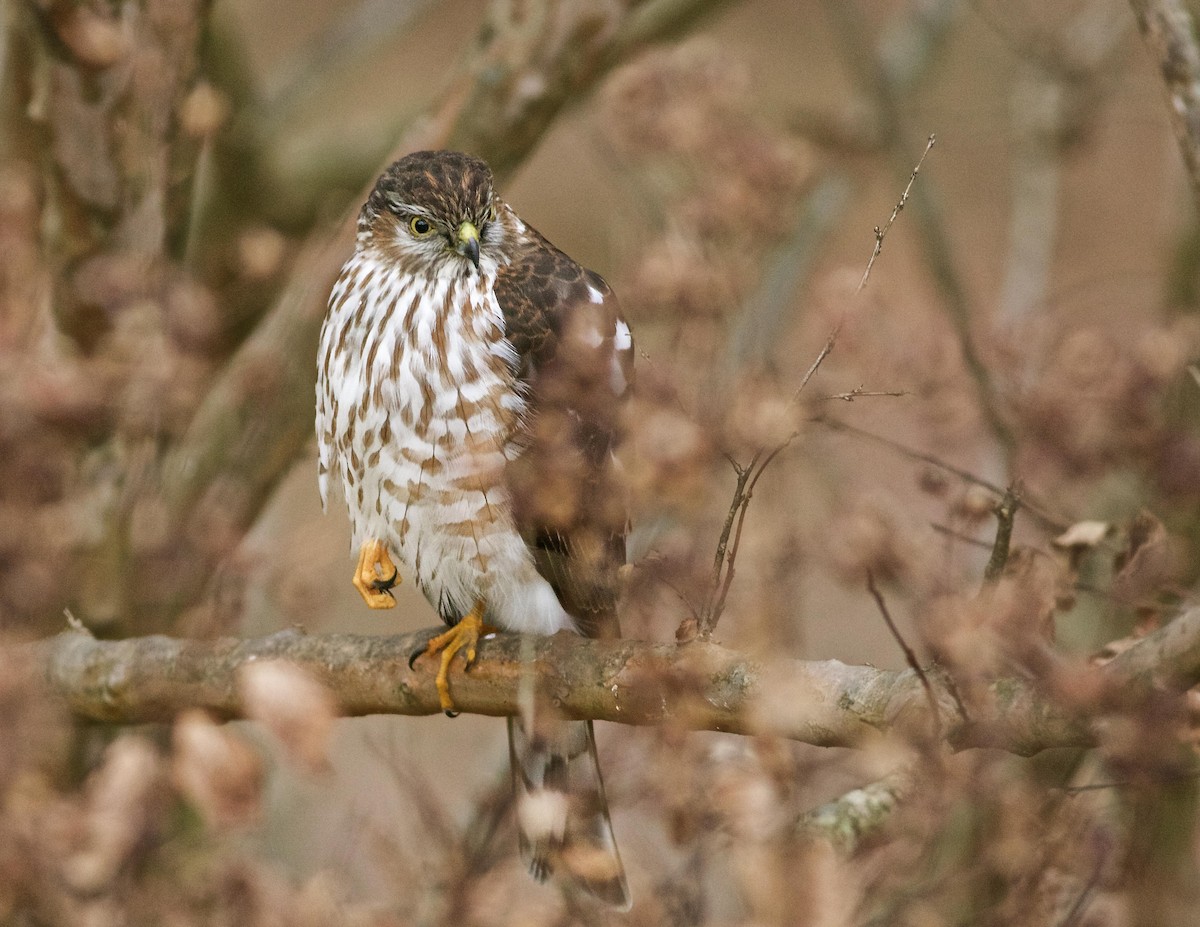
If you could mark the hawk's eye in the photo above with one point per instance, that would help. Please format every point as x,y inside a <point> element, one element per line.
<point>420,225</point>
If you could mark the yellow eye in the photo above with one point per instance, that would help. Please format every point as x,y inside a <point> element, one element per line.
<point>420,225</point>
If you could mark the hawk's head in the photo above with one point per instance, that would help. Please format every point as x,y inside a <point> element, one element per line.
<point>434,211</point>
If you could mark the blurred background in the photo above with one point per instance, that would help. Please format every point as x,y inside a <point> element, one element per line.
<point>178,183</point>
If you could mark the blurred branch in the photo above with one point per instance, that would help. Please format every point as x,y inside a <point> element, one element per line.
<point>698,686</point>
<point>1168,30</point>
<point>354,34</point>
<point>1037,113</point>
<point>765,315</point>
<point>851,818</point>
<point>1064,76</point>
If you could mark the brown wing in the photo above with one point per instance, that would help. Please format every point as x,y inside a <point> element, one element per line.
<point>576,359</point>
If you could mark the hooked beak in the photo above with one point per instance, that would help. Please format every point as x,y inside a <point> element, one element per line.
<point>468,242</point>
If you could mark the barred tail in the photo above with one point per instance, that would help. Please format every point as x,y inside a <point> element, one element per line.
<point>562,814</point>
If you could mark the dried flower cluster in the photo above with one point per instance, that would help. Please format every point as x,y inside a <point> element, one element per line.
<point>150,835</point>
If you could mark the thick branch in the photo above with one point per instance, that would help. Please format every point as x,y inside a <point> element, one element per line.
<point>1167,27</point>
<point>698,685</point>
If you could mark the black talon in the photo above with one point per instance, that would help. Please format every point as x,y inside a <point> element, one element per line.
<point>451,714</point>
<point>385,585</point>
<point>416,655</point>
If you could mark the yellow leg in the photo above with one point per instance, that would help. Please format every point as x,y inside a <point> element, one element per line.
<point>375,575</point>
<point>463,636</point>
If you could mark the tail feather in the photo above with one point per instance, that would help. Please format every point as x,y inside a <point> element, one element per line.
<point>562,814</point>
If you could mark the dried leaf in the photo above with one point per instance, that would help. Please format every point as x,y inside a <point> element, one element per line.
<point>122,806</point>
<point>295,707</point>
<point>217,770</point>
<point>1083,534</point>
<point>1147,563</point>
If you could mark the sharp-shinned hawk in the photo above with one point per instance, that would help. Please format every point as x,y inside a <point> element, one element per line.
<point>470,379</point>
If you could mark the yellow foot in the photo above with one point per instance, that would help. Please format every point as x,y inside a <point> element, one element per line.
<point>375,575</point>
<point>463,636</point>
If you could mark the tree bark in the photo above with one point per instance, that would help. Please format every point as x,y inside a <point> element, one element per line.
<point>699,685</point>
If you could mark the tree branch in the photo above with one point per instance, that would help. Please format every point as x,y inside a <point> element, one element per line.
<point>1167,28</point>
<point>699,685</point>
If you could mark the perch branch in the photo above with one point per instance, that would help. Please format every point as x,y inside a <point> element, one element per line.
<point>697,686</point>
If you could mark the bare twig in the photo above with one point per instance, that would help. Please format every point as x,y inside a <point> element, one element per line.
<point>699,685</point>
<point>886,84</point>
<point>910,656</point>
<point>820,359</point>
<point>1184,776</point>
<point>722,569</point>
<point>1006,513</point>
<point>958,535</point>
<point>860,392</point>
<point>881,233</point>
<point>1038,514</point>
<point>724,565</point>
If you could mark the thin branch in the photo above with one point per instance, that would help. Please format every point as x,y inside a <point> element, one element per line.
<point>910,656</point>
<point>881,233</point>
<point>816,364</point>
<point>887,84</point>
<point>1160,778</point>
<point>725,560</point>
<point>699,686</point>
<point>748,476</point>
<point>1006,513</point>
<point>1075,915</point>
<point>959,535</point>
<point>860,392</point>
<point>1037,513</point>
<point>761,321</point>
<point>712,610</point>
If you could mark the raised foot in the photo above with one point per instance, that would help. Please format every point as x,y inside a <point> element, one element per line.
<point>375,575</point>
<point>463,636</point>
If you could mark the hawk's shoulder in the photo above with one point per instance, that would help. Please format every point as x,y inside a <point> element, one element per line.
<point>541,291</point>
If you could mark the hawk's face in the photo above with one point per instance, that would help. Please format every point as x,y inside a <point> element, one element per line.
<point>435,214</point>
